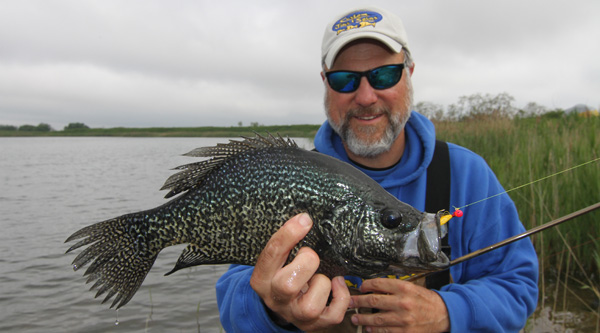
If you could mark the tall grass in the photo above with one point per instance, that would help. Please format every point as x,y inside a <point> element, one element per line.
<point>524,150</point>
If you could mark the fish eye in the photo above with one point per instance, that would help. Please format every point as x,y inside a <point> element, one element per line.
<point>391,218</point>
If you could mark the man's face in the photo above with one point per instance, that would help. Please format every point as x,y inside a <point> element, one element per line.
<point>369,120</point>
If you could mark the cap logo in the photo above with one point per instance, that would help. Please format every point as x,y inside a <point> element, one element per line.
<point>356,20</point>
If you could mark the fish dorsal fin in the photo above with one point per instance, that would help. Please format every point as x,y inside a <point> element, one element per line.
<point>194,173</point>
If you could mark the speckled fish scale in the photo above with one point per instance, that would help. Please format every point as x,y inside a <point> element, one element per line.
<point>229,206</point>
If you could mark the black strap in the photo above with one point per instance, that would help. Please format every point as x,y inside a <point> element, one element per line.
<point>438,198</point>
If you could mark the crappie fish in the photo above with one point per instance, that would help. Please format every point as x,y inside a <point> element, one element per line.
<point>232,203</point>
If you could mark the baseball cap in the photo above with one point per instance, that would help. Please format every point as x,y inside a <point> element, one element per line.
<point>368,22</point>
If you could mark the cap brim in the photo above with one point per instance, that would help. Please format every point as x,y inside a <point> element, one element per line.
<point>340,43</point>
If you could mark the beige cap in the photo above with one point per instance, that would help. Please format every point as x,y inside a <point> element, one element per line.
<point>369,22</point>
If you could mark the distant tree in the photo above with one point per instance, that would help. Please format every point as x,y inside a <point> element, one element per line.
<point>75,126</point>
<point>8,128</point>
<point>27,128</point>
<point>430,110</point>
<point>240,124</point>
<point>454,112</point>
<point>532,109</point>
<point>478,105</point>
<point>43,127</point>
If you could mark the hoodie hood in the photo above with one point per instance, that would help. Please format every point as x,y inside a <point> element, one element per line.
<point>418,152</point>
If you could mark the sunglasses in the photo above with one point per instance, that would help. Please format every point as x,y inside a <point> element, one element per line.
<point>379,78</point>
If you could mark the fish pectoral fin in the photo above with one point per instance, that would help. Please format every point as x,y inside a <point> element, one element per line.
<point>192,255</point>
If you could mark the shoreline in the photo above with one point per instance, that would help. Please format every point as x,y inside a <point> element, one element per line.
<point>305,131</point>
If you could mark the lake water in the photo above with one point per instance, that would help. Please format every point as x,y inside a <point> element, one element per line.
<point>50,188</point>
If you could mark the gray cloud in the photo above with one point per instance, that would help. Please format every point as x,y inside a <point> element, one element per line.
<point>196,63</point>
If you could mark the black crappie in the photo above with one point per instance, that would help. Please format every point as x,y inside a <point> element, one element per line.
<point>233,202</point>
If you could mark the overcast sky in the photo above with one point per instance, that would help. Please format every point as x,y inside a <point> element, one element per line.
<point>217,63</point>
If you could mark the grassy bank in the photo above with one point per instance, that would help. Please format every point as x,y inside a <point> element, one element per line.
<point>307,131</point>
<point>524,150</point>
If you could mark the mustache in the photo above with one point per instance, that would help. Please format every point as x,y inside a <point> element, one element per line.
<point>367,111</point>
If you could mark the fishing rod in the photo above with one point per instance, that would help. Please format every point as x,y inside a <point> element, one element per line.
<point>507,241</point>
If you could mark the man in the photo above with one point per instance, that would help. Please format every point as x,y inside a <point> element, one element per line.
<point>367,70</point>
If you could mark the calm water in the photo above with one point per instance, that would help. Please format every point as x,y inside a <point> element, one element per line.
<point>51,187</point>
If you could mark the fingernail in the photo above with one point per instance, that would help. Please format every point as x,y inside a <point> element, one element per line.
<point>304,220</point>
<point>354,320</point>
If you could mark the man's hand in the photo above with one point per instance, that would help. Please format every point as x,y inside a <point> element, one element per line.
<point>403,306</point>
<point>293,292</point>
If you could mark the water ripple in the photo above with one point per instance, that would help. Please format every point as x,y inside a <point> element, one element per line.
<point>58,185</point>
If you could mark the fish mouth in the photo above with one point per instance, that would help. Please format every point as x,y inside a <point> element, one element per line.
<point>421,250</point>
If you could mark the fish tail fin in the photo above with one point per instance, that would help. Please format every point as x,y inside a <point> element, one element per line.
<point>119,256</point>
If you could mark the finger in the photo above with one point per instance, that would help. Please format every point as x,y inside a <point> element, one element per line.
<point>290,280</point>
<point>373,301</point>
<point>277,250</point>
<point>380,319</point>
<point>381,285</point>
<point>313,301</point>
<point>329,315</point>
<point>340,300</point>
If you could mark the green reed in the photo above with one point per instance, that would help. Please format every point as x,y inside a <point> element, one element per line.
<point>521,151</point>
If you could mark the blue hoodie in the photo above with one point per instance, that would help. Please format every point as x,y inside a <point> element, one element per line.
<point>494,292</point>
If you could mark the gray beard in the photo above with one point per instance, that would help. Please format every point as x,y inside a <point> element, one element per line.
<point>371,149</point>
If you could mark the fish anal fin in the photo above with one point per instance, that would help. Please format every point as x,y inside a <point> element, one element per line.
<point>192,255</point>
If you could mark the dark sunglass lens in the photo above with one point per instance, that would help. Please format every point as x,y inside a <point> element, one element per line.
<point>385,77</point>
<point>343,81</point>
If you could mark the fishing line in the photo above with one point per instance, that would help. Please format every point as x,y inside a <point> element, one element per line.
<point>530,183</point>
<point>512,239</point>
